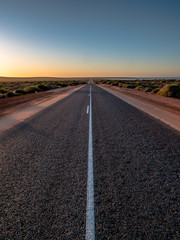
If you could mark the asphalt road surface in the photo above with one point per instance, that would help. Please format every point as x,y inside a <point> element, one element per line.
<point>44,168</point>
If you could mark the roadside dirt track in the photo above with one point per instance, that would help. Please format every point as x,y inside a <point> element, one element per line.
<point>172,104</point>
<point>165,109</point>
<point>11,104</point>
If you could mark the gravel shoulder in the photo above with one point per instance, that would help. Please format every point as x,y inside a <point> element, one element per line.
<point>24,111</point>
<point>172,104</point>
<point>11,104</point>
<point>163,108</point>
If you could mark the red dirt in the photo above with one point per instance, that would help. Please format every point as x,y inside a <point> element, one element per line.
<point>9,105</point>
<point>166,103</point>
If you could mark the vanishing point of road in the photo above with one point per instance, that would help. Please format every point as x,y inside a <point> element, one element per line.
<point>90,166</point>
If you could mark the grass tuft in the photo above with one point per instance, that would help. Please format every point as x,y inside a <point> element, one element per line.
<point>170,90</point>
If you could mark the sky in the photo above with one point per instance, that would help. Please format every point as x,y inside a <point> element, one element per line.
<point>90,38</point>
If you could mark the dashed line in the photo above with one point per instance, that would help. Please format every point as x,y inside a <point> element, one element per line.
<point>90,220</point>
<point>87,111</point>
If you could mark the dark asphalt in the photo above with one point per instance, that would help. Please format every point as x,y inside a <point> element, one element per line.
<point>44,172</point>
<point>136,172</point>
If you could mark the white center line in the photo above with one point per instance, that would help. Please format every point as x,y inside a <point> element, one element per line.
<point>90,225</point>
<point>87,111</point>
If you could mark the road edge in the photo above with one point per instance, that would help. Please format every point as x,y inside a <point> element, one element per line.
<point>168,118</point>
<point>10,120</point>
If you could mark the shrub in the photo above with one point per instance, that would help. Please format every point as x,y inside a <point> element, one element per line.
<point>61,84</point>
<point>73,83</point>
<point>148,89</point>
<point>10,94</point>
<point>138,88</point>
<point>128,85</point>
<point>137,82</point>
<point>20,92</point>
<point>108,82</point>
<point>177,83</point>
<point>170,90</point>
<point>43,87</point>
<point>114,84</point>
<point>124,85</point>
<point>131,85</point>
<point>162,81</point>
<point>2,90</point>
<point>144,85</point>
<point>31,89</point>
<point>155,86</point>
<point>155,90</point>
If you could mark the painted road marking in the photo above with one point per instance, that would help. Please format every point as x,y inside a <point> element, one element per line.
<point>87,111</point>
<point>90,222</point>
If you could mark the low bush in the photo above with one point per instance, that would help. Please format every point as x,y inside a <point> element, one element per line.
<point>155,90</point>
<point>3,90</point>
<point>61,84</point>
<point>108,82</point>
<point>131,86</point>
<point>31,89</point>
<point>103,82</point>
<point>137,83</point>
<point>21,88</point>
<point>74,83</point>
<point>10,94</point>
<point>43,87</point>
<point>148,89</point>
<point>128,85</point>
<point>114,84</point>
<point>20,92</point>
<point>170,90</point>
<point>124,85</point>
<point>139,87</point>
<point>163,87</point>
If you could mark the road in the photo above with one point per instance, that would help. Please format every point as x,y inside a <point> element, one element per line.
<point>44,169</point>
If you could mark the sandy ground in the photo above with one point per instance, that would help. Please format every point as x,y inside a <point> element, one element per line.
<point>163,108</point>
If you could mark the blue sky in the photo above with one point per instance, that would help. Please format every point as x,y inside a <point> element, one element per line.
<point>90,38</point>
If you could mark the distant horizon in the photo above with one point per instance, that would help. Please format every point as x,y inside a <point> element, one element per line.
<point>80,77</point>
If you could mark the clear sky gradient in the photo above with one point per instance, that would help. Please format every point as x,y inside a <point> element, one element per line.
<point>76,38</point>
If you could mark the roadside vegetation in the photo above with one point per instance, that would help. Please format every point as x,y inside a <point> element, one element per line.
<point>10,89</point>
<point>167,88</point>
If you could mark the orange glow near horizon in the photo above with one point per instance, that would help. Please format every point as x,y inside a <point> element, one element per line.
<point>19,61</point>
